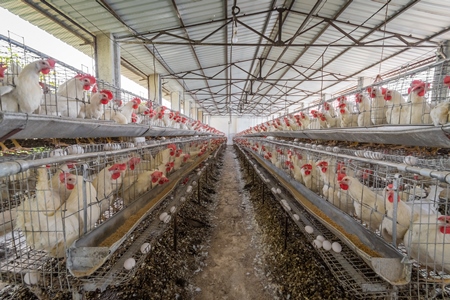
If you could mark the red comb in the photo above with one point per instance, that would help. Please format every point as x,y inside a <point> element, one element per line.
<point>444,218</point>
<point>341,176</point>
<point>307,166</point>
<point>134,118</point>
<point>137,100</point>
<point>51,62</point>
<point>118,167</point>
<point>134,160</point>
<point>447,80</point>
<point>108,93</point>
<point>63,176</point>
<point>2,70</point>
<point>91,78</point>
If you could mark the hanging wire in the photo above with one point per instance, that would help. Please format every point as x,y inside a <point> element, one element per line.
<point>384,36</point>
<point>154,71</point>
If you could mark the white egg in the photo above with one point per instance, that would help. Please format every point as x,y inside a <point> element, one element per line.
<point>167,219</point>
<point>189,189</point>
<point>336,247</point>
<point>145,248</point>
<point>31,278</point>
<point>309,229</point>
<point>317,244</point>
<point>182,199</point>
<point>129,263</point>
<point>274,190</point>
<point>173,209</point>
<point>296,217</point>
<point>336,149</point>
<point>278,190</point>
<point>75,149</point>
<point>410,160</point>
<point>320,238</point>
<point>57,152</point>
<point>326,245</point>
<point>162,216</point>
<point>194,183</point>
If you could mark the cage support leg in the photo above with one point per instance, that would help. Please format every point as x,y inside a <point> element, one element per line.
<point>285,232</point>
<point>263,188</point>
<point>175,232</point>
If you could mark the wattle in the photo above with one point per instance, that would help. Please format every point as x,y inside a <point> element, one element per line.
<point>343,186</point>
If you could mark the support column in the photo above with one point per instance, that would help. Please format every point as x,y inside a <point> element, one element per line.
<point>175,101</point>
<point>200,115</point>
<point>194,110</point>
<point>187,108</point>
<point>108,58</point>
<point>154,88</point>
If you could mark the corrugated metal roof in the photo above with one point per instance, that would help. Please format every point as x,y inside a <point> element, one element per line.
<point>325,44</point>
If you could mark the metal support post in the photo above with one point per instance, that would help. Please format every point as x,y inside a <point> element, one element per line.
<point>263,192</point>
<point>175,231</point>
<point>285,232</point>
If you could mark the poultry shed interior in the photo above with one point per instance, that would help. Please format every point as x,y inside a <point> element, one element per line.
<point>282,150</point>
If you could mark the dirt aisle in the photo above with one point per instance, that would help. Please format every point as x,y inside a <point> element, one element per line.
<point>230,272</point>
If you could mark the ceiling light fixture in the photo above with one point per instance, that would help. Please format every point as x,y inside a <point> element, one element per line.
<point>235,11</point>
<point>234,37</point>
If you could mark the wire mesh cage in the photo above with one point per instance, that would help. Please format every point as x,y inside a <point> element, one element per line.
<point>407,210</point>
<point>417,97</point>
<point>65,91</point>
<point>47,208</point>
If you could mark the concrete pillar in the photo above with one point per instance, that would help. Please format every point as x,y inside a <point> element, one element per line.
<point>108,58</point>
<point>187,108</point>
<point>154,88</point>
<point>175,101</point>
<point>194,110</point>
<point>200,115</point>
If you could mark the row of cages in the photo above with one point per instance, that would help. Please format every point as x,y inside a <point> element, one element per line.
<point>64,91</point>
<point>418,97</point>
<point>45,209</point>
<point>406,211</point>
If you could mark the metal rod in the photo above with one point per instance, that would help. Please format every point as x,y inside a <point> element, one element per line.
<point>439,175</point>
<point>198,189</point>
<point>17,166</point>
<point>84,168</point>
<point>280,25</point>
<point>285,232</point>
<point>361,45</point>
<point>396,185</point>
<point>175,232</point>
<point>253,177</point>
<point>263,192</point>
